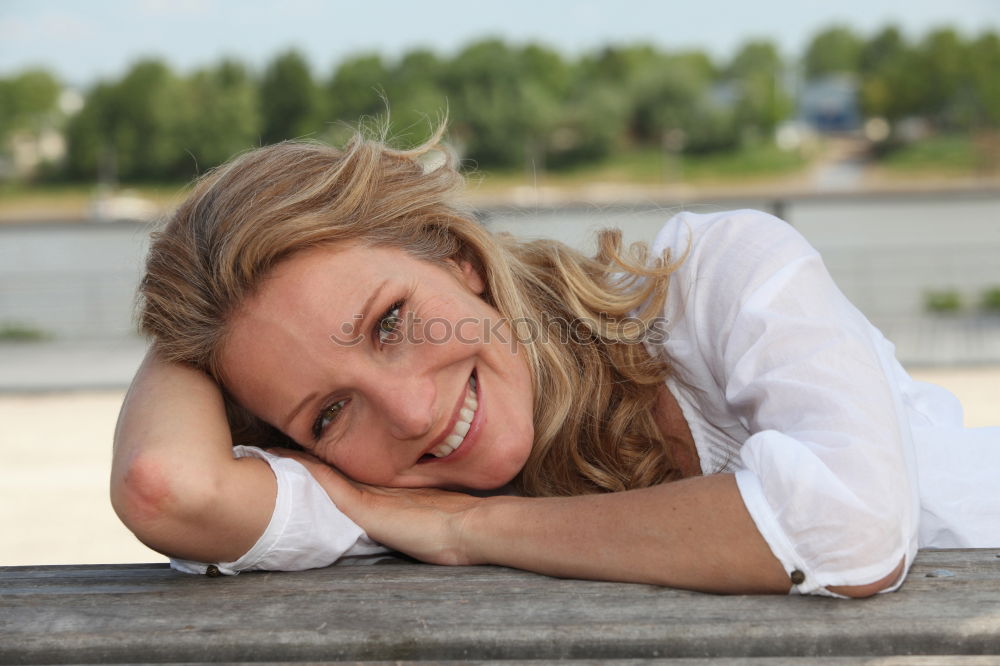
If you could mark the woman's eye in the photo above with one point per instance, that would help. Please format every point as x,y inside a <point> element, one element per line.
<point>388,326</point>
<point>326,417</point>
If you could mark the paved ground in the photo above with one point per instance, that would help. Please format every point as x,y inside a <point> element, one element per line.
<point>32,367</point>
<point>54,506</point>
<point>944,340</point>
<point>58,406</point>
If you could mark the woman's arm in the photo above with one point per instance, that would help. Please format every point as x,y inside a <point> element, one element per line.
<point>694,534</point>
<point>174,480</point>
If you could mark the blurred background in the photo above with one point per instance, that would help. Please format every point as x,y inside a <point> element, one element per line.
<point>873,126</point>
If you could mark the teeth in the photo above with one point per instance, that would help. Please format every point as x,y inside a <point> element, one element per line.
<point>465,416</point>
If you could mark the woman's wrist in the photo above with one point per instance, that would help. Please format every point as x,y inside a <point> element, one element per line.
<point>481,528</point>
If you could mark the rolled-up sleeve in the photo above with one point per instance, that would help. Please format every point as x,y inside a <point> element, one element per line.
<point>306,530</point>
<point>827,472</point>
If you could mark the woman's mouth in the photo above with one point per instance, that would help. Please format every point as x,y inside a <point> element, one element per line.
<point>457,435</point>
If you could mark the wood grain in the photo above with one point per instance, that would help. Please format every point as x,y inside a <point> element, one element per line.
<point>950,605</point>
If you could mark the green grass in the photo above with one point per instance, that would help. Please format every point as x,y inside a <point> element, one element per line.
<point>71,200</point>
<point>15,190</point>
<point>75,191</point>
<point>641,166</point>
<point>747,164</point>
<point>647,166</point>
<point>945,154</point>
<point>56,197</point>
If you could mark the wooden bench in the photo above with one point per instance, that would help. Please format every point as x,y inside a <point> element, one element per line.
<point>403,611</point>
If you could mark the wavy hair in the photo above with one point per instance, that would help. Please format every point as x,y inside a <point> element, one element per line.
<point>595,383</point>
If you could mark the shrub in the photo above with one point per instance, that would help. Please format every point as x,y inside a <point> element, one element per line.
<point>15,332</point>
<point>943,301</point>
<point>991,300</point>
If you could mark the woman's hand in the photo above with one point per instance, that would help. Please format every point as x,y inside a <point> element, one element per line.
<point>693,534</point>
<point>424,523</point>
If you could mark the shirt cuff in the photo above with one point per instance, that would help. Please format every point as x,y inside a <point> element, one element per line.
<point>306,530</point>
<point>802,578</point>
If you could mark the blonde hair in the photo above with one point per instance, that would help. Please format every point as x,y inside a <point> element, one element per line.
<point>595,384</point>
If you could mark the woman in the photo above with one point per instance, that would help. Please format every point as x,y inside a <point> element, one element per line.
<point>719,418</point>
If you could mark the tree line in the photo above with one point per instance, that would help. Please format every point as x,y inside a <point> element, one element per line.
<point>506,103</point>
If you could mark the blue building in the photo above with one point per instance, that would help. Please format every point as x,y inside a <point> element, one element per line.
<point>830,104</point>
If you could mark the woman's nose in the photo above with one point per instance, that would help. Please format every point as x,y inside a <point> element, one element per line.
<point>407,406</point>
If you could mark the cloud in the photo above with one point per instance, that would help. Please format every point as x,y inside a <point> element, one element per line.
<point>50,25</point>
<point>13,29</point>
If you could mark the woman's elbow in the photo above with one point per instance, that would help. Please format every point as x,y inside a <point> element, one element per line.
<point>152,498</point>
<point>876,538</point>
<point>870,589</point>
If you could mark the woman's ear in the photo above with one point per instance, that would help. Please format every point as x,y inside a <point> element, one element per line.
<point>470,276</point>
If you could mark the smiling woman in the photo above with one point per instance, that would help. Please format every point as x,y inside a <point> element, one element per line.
<point>711,415</point>
<point>401,408</point>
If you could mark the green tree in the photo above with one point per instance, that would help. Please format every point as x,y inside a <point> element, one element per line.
<point>670,96</point>
<point>151,114</point>
<point>675,105</point>
<point>357,88</point>
<point>545,83</point>
<point>592,124</point>
<point>546,68</point>
<point>836,50</point>
<point>947,95</point>
<point>28,102</point>
<point>891,78</point>
<point>636,72</point>
<point>225,105</point>
<point>89,137</point>
<point>501,113</point>
<point>408,93</point>
<point>135,129</point>
<point>984,63</point>
<point>689,118</point>
<point>761,101</point>
<point>288,99</point>
<point>416,96</point>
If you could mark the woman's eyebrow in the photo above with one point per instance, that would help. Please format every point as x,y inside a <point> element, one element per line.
<point>365,310</point>
<point>287,427</point>
<point>363,314</point>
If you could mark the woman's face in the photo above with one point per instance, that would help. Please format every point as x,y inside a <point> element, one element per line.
<point>390,368</point>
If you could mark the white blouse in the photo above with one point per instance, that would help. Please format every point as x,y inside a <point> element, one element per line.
<point>845,463</point>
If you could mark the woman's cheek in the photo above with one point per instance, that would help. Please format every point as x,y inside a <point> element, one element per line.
<point>363,468</point>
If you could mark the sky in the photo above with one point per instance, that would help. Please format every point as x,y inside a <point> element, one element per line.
<point>83,41</point>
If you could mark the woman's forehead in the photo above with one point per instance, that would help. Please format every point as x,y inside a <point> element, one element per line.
<point>327,278</point>
<point>292,319</point>
<point>345,256</point>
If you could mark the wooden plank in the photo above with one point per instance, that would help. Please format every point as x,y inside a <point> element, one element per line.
<point>918,660</point>
<point>405,612</point>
